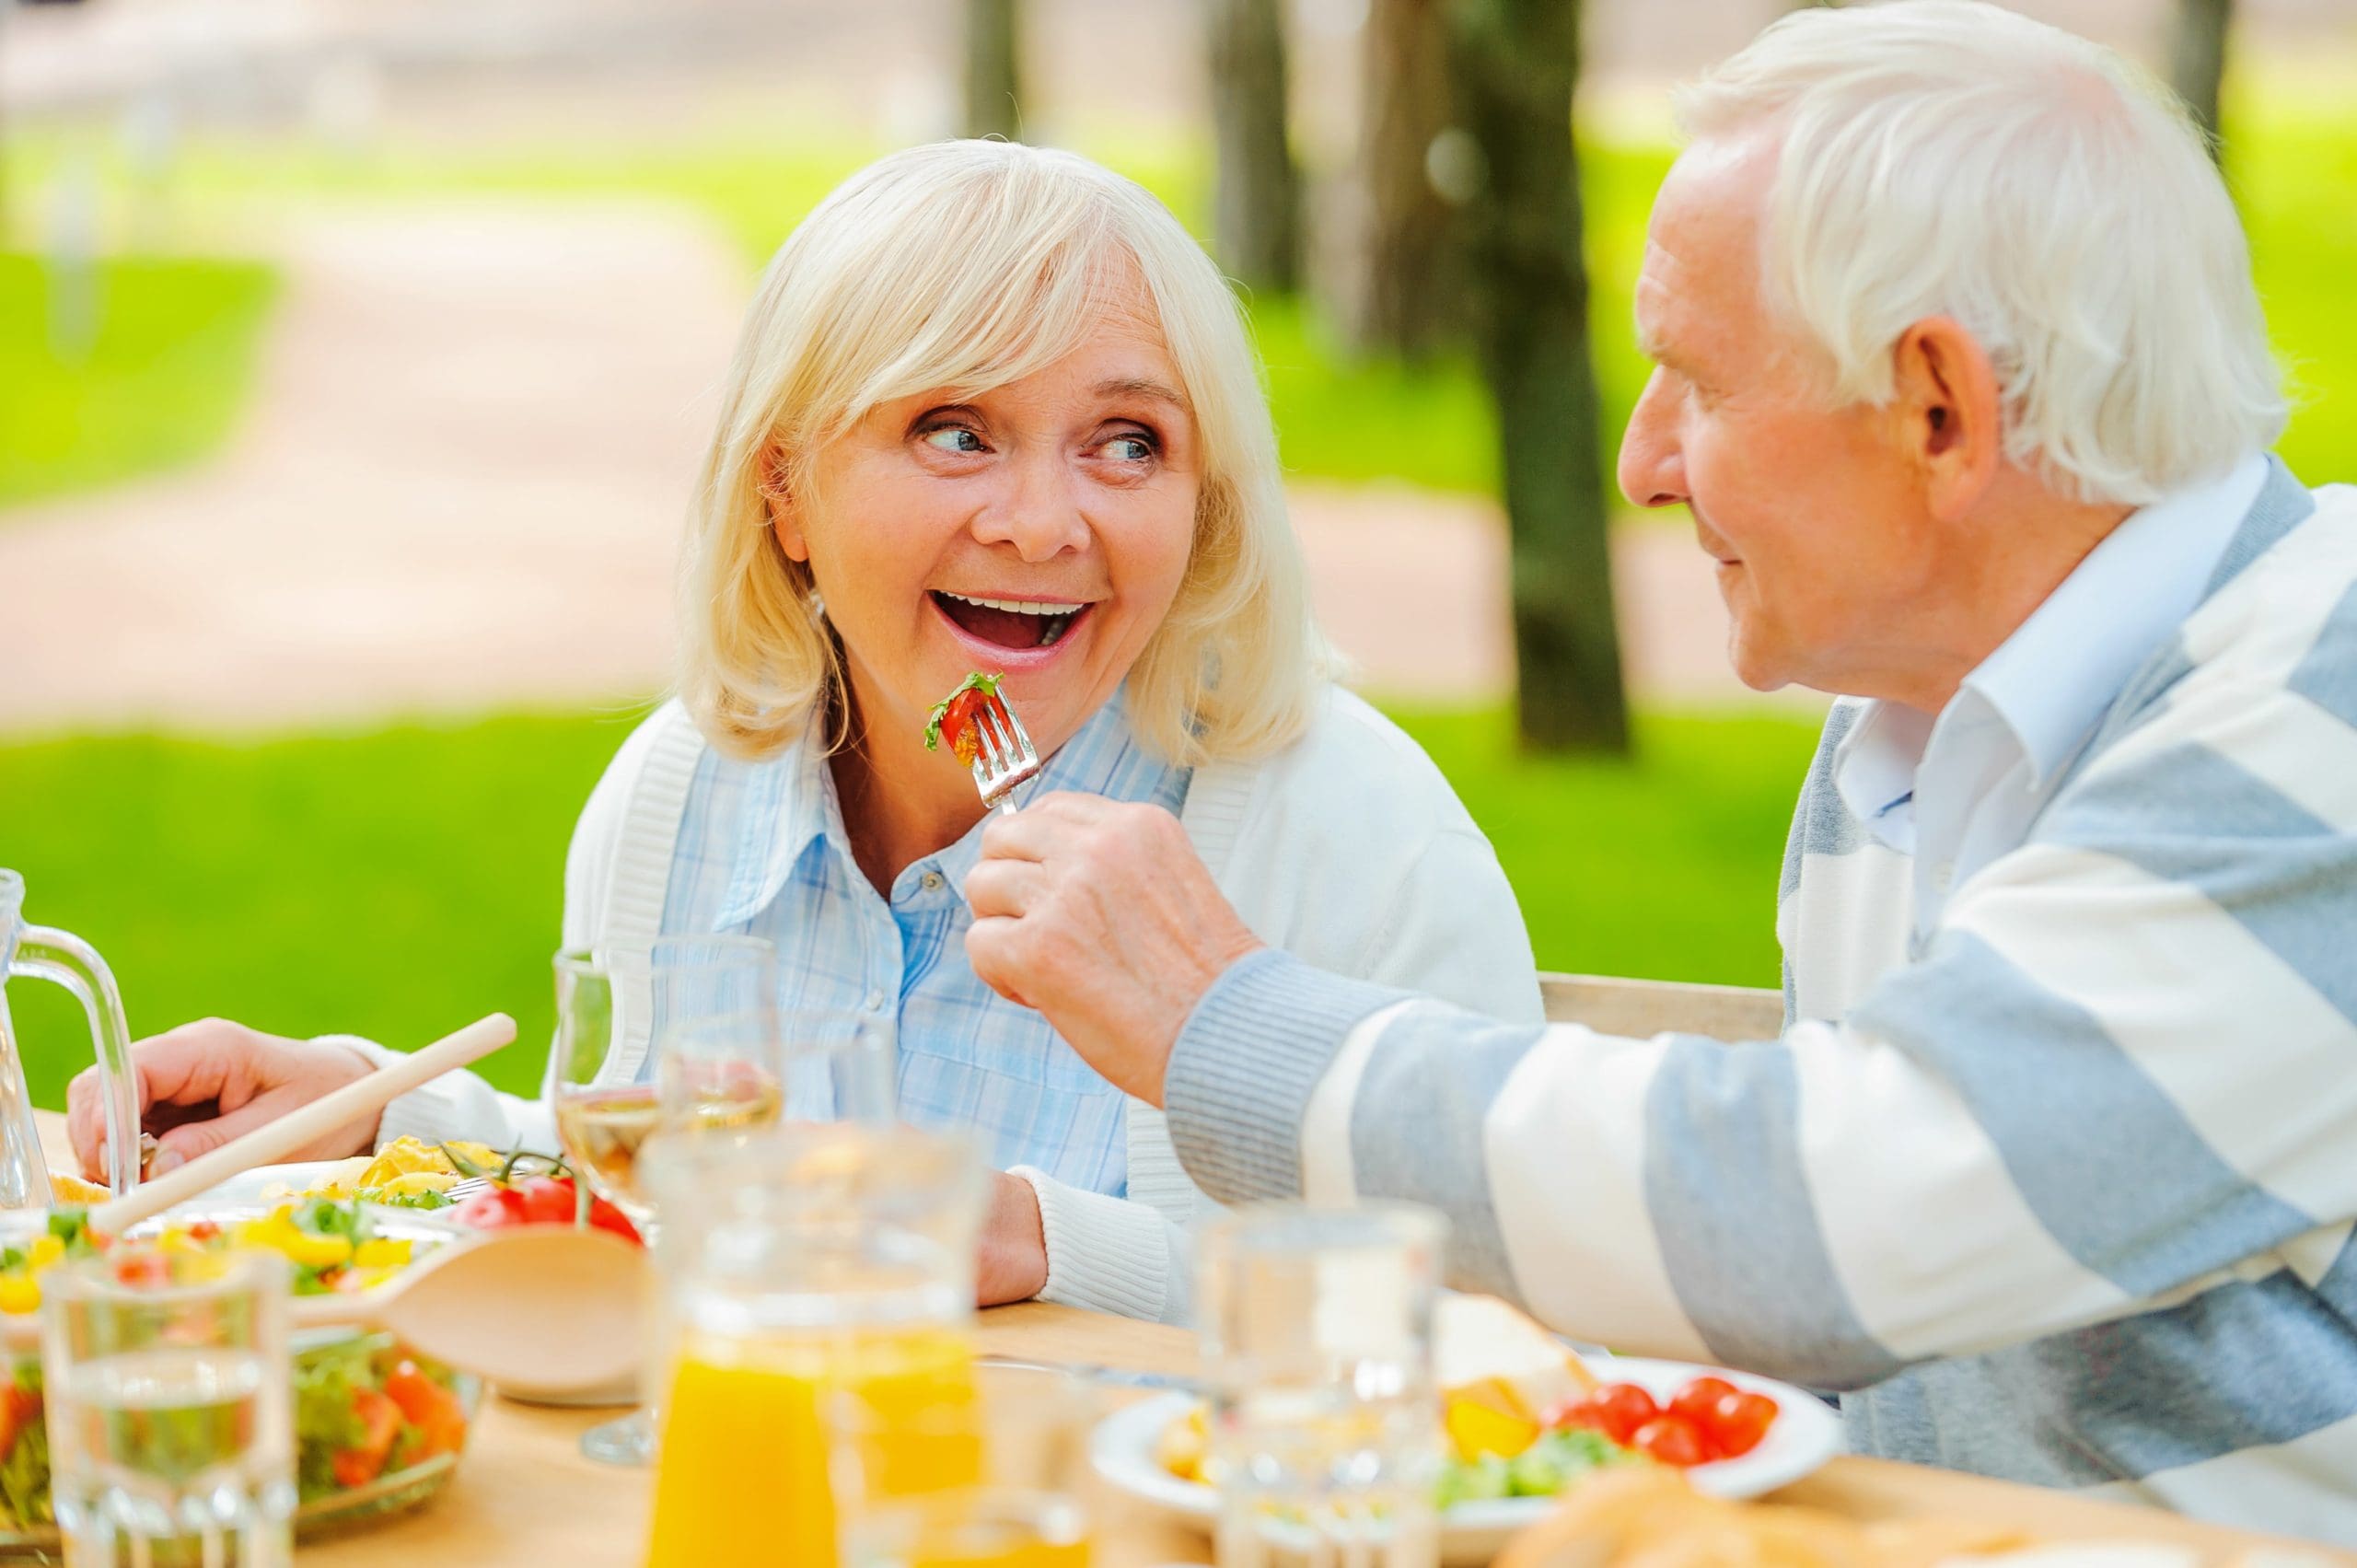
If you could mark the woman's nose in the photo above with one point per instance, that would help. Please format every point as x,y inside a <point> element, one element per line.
<point>1037,511</point>
<point>1651,469</point>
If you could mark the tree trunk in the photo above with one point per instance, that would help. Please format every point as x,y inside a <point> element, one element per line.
<point>1516,62</point>
<point>994,68</point>
<point>1401,304</point>
<point>2197,61</point>
<point>1255,213</point>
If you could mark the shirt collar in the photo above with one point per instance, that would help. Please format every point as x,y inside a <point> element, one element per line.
<point>2053,678</point>
<point>790,809</point>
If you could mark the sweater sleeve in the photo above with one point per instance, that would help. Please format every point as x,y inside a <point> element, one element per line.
<point>1110,1254</point>
<point>2116,1077</point>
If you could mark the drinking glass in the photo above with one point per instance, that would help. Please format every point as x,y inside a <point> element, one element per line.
<point>613,1011</point>
<point>614,1014</point>
<point>996,1477</point>
<point>170,1423</point>
<point>1325,1432</point>
<point>800,1261</point>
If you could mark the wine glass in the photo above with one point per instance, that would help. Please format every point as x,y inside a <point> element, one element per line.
<point>613,1012</point>
<point>733,1074</point>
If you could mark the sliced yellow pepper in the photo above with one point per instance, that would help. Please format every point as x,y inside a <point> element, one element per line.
<point>314,1251</point>
<point>380,1252</point>
<point>19,1294</point>
<point>45,1253</point>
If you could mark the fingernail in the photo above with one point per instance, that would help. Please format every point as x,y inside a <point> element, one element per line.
<point>166,1159</point>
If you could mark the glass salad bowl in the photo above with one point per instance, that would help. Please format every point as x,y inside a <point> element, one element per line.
<point>378,1430</point>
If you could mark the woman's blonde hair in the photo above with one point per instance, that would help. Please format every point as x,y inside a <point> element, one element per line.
<point>965,265</point>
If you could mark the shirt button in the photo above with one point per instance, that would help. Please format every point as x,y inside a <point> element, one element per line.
<point>932,881</point>
<point>1942,875</point>
<point>875,1002</point>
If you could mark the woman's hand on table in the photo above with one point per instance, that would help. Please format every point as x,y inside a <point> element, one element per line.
<point>1013,1263</point>
<point>203,1083</point>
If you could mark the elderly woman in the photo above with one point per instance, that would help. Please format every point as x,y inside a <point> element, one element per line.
<point>993,409</point>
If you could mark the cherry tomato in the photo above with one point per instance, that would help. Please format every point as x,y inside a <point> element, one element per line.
<point>19,1407</point>
<point>1622,1409</point>
<point>434,1410</point>
<point>605,1216</point>
<point>1699,1401</point>
<point>380,1422</point>
<point>547,1201</point>
<point>1672,1440</point>
<point>143,1269</point>
<point>499,1207</point>
<point>1741,1419</point>
<point>1574,1412</point>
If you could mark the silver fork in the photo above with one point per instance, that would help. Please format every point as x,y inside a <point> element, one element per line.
<point>1003,755</point>
<point>459,1191</point>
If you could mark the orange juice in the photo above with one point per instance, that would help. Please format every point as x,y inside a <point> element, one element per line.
<point>743,1473</point>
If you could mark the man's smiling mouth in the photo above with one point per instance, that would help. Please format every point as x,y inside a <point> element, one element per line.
<point>1011,623</point>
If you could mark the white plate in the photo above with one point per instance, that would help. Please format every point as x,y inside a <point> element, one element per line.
<point>245,1191</point>
<point>1806,1434</point>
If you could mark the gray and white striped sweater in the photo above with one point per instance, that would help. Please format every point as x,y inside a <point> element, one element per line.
<point>2061,1191</point>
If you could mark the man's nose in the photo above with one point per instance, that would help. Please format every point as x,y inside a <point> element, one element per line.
<point>1036,510</point>
<point>1651,469</point>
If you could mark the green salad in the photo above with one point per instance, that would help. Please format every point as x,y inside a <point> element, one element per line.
<point>1544,1468</point>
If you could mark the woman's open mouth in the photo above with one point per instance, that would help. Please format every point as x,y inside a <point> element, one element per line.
<point>1011,623</point>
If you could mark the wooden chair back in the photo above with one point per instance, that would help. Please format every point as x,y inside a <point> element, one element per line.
<point>1641,1008</point>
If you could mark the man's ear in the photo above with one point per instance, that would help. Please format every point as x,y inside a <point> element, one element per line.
<point>777,495</point>
<point>1950,418</point>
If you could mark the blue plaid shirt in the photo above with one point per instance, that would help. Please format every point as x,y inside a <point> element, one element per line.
<point>762,849</point>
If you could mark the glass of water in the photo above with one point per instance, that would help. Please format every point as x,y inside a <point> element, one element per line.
<point>991,1474</point>
<point>1325,1437</point>
<point>170,1423</point>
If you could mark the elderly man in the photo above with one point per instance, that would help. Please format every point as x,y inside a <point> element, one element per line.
<point>1962,377</point>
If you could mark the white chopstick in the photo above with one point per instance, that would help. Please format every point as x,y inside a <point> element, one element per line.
<point>274,1141</point>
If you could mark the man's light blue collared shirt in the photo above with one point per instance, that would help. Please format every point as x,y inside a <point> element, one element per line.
<point>762,849</point>
<point>1958,791</point>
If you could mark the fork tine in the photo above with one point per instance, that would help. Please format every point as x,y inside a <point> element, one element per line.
<point>1004,756</point>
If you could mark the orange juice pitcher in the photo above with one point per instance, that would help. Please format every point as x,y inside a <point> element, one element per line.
<point>812,1261</point>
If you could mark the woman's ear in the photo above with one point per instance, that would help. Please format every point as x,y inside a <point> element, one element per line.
<point>777,496</point>
<point>1949,411</point>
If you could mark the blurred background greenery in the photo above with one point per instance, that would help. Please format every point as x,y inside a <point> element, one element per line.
<point>394,877</point>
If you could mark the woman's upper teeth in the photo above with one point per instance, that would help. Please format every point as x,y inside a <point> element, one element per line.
<point>1021,606</point>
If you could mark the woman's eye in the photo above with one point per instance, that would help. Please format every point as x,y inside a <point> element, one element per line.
<point>1128,449</point>
<point>953,438</point>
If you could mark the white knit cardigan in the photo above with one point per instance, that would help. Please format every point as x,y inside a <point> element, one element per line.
<point>1347,849</point>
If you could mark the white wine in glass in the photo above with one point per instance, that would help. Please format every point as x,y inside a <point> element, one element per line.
<point>614,1011</point>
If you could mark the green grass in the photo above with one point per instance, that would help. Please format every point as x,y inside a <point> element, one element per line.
<point>159,383</point>
<point>397,883</point>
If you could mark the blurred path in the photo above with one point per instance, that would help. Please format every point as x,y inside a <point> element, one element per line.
<point>457,486</point>
<point>459,483</point>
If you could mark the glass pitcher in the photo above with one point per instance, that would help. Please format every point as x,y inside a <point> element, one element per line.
<point>68,960</point>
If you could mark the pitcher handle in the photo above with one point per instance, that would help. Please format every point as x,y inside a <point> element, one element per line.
<point>62,957</point>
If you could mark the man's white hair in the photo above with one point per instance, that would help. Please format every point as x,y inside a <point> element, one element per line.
<point>1952,158</point>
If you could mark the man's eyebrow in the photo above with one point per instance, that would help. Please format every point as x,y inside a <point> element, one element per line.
<point>1141,387</point>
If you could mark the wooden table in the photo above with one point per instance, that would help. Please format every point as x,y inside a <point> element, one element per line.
<point>524,1492</point>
